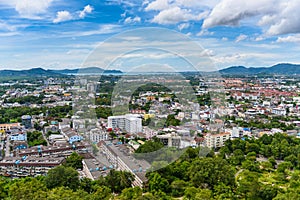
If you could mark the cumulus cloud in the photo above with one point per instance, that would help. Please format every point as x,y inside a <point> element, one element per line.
<point>276,17</point>
<point>86,10</point>
<point>130,20</point>
<point>32,8</point>
<point>62,16</point>
<point>231,12</point>
<point>157,5</point>
<point>287,20</point>
<point>176,11</point>
<point>175,15</point>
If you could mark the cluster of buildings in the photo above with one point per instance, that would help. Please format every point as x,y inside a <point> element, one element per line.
<point>201,123</point>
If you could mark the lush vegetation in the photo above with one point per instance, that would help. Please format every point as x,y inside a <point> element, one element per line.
<point>150,146</point>
<point>262,169</point>
<point>35,138</point>
<point>15,113</point>
<point>26,100</point>
<point>74,161</point>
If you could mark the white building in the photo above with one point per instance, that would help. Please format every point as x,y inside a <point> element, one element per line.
<point>96,135</point>
<point>130,123</point>
<point>216,140</point>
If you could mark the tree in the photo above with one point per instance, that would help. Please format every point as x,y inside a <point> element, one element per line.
<point>67,193</point>
<point>118,180</point>
<point>74,161</point>
<point>86,184</point>
<point>172,121</point>
<point>157,183</point>
<point>290,194</point>
<point>28,188</point>
<point>249,185</point>
<point>62,176</point>
<point>102,193</point>
<point>131,193</point>
<point>150,146</point>
<point>190,192</point>
<point>204,194</point>
<point>207,172</point>
<point>272,161</point>
<point>178,187</point>
<point>238,157</point>
<point>284,166</point>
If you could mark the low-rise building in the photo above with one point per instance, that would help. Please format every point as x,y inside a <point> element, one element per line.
<point>6,127</point>
<point>96,135</point>
<point>170,140</point>
<point>118,155</point>
<point>28,166</point>
<point>18,137</point>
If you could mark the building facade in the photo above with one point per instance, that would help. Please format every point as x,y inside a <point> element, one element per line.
<point>216,140</point>
<point>129,123</point>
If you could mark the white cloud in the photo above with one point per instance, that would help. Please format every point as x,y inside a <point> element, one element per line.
<point>32,8</point>
<point>276,17</point>
<point>260,38</point>
<point>287,19</point>
<point>62,16</point>
<point>183,26</point>
<point>197,3</point>
<point>205,32</point>
<point>87,10</point>
<point>176,11</point>
<point>231,12</point>
<point>9,34</point>
<point>103,29</point>
<point>290,38</point>
<point>157,5</point>
<point>130,20</point>
<point>175,15</point>
<point>6,27</point>
<point>241,38</point>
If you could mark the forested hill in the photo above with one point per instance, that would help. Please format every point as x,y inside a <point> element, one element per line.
<point>279,69</point>
<point>38,72</point>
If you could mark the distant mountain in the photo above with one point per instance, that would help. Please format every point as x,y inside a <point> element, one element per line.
<point>88,70</point>
<point>34,72</point>
<point>280,69</point>
<point>38,72</point>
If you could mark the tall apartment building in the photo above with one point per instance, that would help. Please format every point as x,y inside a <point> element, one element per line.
<point>216,140</point>
<point>129,123</point>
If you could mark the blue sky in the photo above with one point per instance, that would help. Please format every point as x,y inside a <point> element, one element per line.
<point>59,34</point>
